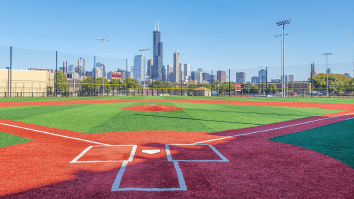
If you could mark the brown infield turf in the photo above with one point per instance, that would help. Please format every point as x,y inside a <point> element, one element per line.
<point>256,167</point>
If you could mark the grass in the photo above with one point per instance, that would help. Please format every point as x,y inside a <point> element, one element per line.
<point>9,139</point>
<point>335,140</point>
<point>275,99</point>
<point>109,117</point>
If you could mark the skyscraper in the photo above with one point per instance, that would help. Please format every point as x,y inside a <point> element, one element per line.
<point>262,74</point>
<point>187,71</point>
<point>138,65</point>
<point>158,54</point>
<point>169,73</point>
<point>176,67</point>
<point>149,65</point>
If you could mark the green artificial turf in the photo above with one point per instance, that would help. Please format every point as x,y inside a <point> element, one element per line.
<point>335,140</point>
<point>275,99</point>
<point>109,117</point>
<point>9,139</point>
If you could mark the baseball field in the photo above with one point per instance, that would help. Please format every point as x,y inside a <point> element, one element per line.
<point>176,147</point>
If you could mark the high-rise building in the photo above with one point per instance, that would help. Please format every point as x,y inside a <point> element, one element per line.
<point>169,72</point>
<point>241,77</point>
<point>221,76</point>
<point>177,67</point>
<point>71,68</point>
<point>163,72</point>
<point>254,79</point>
<point>206,77</point>
<point>150,63</point>
<point>138,66</point>
<point>158,54</point>
<point>200,70</point>
<point>262,76</point>
<point>291,78</point>
<point>198,76</point>
<point>328,70</point>
<point>192,75</point>
<point>187,71</point>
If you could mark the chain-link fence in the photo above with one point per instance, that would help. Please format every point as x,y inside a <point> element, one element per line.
<point>32,73</point>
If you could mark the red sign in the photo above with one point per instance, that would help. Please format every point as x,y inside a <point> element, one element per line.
<point>238,87</point>
<point>116,75</point>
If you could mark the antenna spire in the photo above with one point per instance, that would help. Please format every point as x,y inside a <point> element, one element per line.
<point>158,27</point>
<point>155,25</point>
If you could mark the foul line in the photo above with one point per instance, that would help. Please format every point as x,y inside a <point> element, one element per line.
<point>68,137</point>
<point>231,136</point>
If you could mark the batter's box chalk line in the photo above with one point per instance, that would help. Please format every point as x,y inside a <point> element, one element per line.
<point>132,153</point>
<point>181,182</point>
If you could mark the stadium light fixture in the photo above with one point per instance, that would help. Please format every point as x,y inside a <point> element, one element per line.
<point>283,23</point>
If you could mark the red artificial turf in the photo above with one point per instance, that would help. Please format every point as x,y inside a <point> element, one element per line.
<point>257,167</point>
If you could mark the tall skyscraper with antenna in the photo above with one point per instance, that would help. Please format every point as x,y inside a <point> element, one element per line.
<point>156,68</point>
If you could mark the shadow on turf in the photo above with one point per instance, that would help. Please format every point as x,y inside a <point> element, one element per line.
<point>184,118</point>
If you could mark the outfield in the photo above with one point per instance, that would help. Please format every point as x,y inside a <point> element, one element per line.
<point>243,147</point>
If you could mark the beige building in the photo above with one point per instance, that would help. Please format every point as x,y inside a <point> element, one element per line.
<point>26,83</point>
<point>202,91</point>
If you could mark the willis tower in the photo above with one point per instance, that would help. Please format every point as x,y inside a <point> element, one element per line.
<point>156,72</point>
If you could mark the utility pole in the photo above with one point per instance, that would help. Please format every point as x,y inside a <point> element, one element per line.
<point>102,39</point>
<point>266,81</point>
<point>10,69</point>
<point>283,23</point>
<point>326,54</point>
<point>229,83</point>
<point>56,73</point>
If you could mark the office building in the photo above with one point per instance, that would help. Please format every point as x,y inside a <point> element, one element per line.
<point>138,66</point>
<point>328,70</point>
<point>177,67</point>
<point>169,72</point>
<point>347,74</point>
<point>262,76</point>
<point>192,75</point>
<point>200,70</point>
<point>221,76</point>
<point>187,71</point>
<point>254,80</point>
<point>163,72</point>
<point>158,54</point>
<point>241,77</point>
<point>150,63</point>
<point>206,77</point>
<point>198,76</point>
<point>291,78</point>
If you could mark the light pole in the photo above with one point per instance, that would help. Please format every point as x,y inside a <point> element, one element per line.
<point>281,55</point>
<point>283,23</point>
<point>102,39</point>
<point>326,54</point>
<point>144,75</point>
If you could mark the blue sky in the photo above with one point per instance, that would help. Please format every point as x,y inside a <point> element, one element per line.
<point>213,35</point>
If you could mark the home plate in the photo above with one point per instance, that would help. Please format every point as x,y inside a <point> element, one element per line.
<point>151,151</point>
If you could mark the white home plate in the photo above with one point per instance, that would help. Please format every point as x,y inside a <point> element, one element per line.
<point>151,151</point>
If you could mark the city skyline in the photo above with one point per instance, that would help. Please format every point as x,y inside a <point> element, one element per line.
<point>233,39</point>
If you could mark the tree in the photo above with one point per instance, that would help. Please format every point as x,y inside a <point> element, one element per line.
<point>107,87</point>
<point>132,83</point>
<point>274,88</point>
<point>87,85</point>
<point>61,79</point>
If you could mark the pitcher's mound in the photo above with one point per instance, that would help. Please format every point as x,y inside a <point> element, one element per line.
<point>153,107</point>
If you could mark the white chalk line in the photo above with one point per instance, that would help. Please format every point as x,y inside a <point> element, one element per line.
<point>132,153</point>
<point>58,135</point>
<point>282,127</point>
